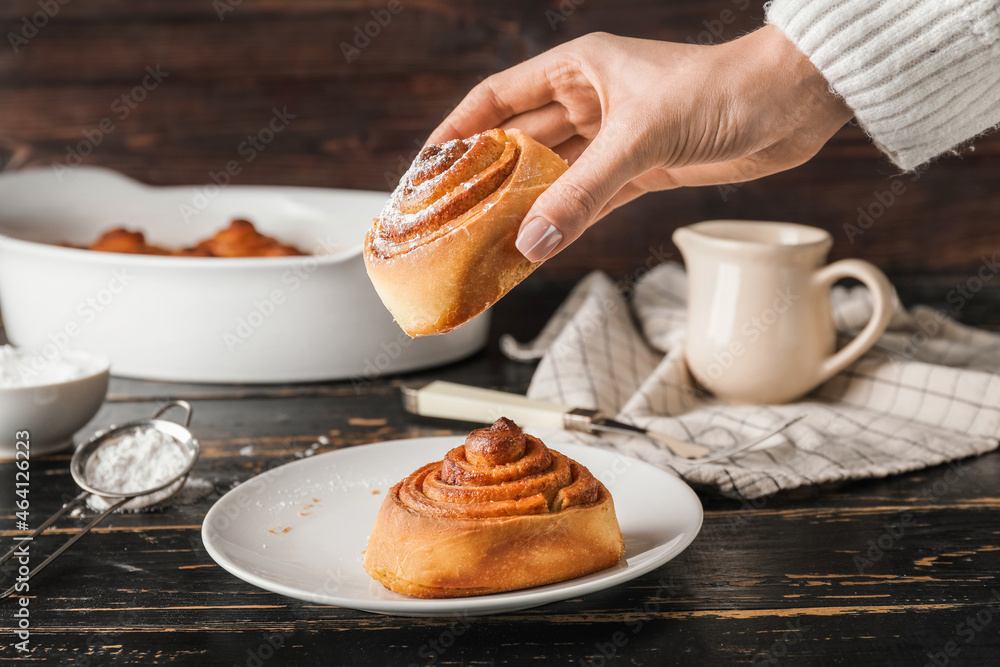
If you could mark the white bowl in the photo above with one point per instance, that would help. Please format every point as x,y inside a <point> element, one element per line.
<point>51,413</point>
<point>275,319</point>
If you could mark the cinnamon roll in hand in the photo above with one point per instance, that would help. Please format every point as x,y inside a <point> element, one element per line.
<point>442,250</point>
<point>499,513</point>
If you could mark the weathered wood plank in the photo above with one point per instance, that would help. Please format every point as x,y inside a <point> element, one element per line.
<point>357,121</point>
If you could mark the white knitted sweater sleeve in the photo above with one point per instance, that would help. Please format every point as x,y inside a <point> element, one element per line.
<point>922,76</point>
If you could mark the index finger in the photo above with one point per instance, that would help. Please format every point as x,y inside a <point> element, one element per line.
<point>521,88</point>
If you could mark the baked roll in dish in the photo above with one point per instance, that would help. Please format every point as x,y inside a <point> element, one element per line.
<point>241,239</point>
<point>499,513</point>
<point>442,250</point>
<point>125,241</point>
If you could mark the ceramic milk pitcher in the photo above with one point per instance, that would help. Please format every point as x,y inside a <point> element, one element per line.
<point>760,328</point>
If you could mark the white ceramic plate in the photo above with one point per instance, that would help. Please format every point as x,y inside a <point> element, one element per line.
<point>301,529</point>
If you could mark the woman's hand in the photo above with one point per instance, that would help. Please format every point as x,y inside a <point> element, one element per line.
<point>633,116</point>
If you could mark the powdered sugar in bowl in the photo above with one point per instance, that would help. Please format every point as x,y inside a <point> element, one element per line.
<point>49,395</point>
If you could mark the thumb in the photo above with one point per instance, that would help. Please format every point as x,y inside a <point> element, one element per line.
<point>571,204</point>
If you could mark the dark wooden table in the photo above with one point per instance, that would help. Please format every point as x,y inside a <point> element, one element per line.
<point>893,571</point>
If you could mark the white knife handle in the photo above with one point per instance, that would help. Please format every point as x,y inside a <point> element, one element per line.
<point>473,404</point>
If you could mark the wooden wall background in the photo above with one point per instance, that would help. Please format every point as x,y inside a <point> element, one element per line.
<point>357,121</point>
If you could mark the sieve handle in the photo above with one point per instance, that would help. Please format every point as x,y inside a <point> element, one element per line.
<point>184,405</point>
<point>70,542</point>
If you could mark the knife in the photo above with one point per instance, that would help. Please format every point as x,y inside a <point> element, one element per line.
<point>449,400</point>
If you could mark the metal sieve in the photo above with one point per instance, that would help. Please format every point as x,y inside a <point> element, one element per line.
<point>112,500</point>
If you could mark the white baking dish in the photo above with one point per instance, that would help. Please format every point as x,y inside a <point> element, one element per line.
<point>276,319</point>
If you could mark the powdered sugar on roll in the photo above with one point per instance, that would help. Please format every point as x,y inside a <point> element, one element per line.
<point>445,182</point>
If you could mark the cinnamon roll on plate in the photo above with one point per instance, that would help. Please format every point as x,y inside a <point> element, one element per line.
<point>442,250</point>
<point>499,513</point>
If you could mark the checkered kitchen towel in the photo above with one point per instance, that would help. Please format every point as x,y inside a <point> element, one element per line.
<point>929,391</point>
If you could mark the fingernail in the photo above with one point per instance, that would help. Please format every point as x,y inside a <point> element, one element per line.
<point>538,238</point>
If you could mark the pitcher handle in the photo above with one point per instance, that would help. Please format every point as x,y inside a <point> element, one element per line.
<point>883,296</point>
